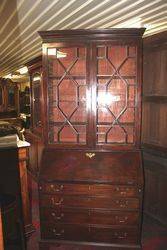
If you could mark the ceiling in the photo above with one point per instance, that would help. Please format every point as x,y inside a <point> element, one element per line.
<point>21,19</point>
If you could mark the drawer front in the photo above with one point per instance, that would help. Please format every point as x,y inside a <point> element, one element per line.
<point>64,232</point>
<point>93,189</point>
<point>84,216</point>
<point>88,202</point>
<point>86,233</point>
<point>114,235</point>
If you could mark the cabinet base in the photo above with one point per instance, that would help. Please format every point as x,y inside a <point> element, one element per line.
<point>46,244</point>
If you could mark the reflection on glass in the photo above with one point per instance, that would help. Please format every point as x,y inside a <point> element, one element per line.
<point>11,99</point>
<point>36,98</point>
<point>116,90</point>
<point>56,52</point>
<point>107,98</point>
<point>36,78</point>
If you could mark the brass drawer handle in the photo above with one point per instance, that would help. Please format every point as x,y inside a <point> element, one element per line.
<point>119,236</point>
<point>122,204</point>
<point>90,155</point>
<point>57,189</point>
<point>58,234</point>
<point>58,217</point>
<point>121,220</point>
<point>57,203</point>
<point>123,192</point>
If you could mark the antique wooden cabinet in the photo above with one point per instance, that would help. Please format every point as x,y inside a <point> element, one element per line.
<point>9,98</point>
<point>35,133</point>
<point>91,179</point>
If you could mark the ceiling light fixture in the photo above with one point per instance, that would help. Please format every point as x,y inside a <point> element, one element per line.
<point>23,70</point>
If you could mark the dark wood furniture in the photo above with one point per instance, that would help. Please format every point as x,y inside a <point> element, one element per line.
<point>91,179</point>
<point>34,134</point>
<point>13,180</point>
<point>9,98</point>
<point>154,136</point>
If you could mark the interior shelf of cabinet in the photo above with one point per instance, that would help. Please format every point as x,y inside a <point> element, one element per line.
<point>116,76</point>
<point>155,98</point>
<point>67,77</point>
<point>72,123</point>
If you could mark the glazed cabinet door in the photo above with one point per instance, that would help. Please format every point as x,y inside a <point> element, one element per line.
<point>93,95</point>
<point>67,95</point>
<point>36,101</point>
<point>115,99</point>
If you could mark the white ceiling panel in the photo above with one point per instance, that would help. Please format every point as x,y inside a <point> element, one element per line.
<point>20,21</point>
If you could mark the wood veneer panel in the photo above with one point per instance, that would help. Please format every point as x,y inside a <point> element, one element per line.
<point>103,167</point>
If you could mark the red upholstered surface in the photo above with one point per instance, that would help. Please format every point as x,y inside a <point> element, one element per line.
<point>154,235</point>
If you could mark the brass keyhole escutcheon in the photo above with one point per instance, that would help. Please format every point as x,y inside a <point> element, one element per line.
<point>90,155</point>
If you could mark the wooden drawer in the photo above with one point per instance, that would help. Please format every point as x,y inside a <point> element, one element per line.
<point>88,202</point>
<point>114,235</point>
<point>92,189</point>
<point>88,233</point>
<point>91,216</point>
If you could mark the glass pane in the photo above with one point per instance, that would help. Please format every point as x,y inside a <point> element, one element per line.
<point>82,133</point>
<point>67,108</point>
<point>36,89</point>
<point>63,60</point>
<point>128,68</point>
<point>67,134</point>
<point>128,116</point>
<point>116,55</point>
<point>67,95</point>
<point>37,108</point>
<point>56,115</point>
<point>116,135</point>
<point>11,96</point>
<point>104,115</point>
<point>79,115</point>
<point>116,93</point>
<point>104,67</point>
<point>67,90</point>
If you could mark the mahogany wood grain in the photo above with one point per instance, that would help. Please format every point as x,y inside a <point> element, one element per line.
<point>86,189</point>
<point>103,167</point>
<point>89,216</point>
<point>89,202</point>
<point>89,233</point>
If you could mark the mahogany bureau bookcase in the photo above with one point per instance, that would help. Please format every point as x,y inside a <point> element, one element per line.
<point>91,177</point>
